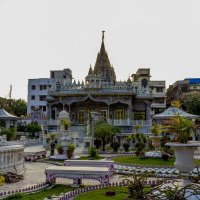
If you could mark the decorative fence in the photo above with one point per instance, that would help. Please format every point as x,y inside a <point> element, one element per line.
<point>32,188</point>
<point>69,195</point>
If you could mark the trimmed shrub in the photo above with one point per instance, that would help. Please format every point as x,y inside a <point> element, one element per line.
<point>92,152</point>
<point>115,146</point>
<point>165,156</point>
<point>126,146</point>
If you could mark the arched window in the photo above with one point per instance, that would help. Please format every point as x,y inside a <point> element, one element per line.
<point>144,83</point>
<point>58,86</point>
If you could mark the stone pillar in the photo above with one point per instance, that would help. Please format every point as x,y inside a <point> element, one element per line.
<point>44,141</point>
<point>7,122</point>
<point>10,157</point>
<point>56,113</point>
<point>6,157</point>
<point>130,112</point>
<point>148,110</point>
<point>108,114</point>
<point>1,158</point>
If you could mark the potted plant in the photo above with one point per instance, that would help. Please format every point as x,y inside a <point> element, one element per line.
<point>70,151</point>
<point>184,149</point>
<point>59,148</point>
<point>65,123</point>
<point>156,130</point>
<point>52,137</point>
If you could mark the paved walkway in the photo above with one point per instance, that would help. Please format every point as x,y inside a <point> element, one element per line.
<point>35,174</point>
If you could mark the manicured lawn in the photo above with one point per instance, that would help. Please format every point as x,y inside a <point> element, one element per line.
<point>120,193</point>
<point>147,161</point>
<point>56,190</point>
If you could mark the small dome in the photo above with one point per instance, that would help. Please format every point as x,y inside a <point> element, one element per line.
<point>63,115</point>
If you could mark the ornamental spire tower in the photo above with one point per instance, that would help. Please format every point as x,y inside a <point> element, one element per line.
<point>102,66</point>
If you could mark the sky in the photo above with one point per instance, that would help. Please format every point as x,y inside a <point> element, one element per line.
<point>37,36</point>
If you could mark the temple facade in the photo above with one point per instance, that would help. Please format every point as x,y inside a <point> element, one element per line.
<point>120,103</point>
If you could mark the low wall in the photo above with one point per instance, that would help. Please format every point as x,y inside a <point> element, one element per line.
<point>31,188</point>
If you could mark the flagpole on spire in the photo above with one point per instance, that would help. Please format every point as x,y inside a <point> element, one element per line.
<point>103,36</point>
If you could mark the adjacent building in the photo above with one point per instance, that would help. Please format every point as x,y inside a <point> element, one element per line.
<point>120,103</point>
<point>176,90</point>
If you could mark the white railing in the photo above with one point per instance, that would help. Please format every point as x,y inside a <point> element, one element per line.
<point>119,122</point>
<point>142,122</point>
<point>122,122</point>
<point>53,122</point>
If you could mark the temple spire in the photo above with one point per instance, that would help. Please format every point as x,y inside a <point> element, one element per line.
<point>102,66</point>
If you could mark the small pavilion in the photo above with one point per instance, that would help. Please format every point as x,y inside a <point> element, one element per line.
<point>173,112</point>
<point>8,119</point>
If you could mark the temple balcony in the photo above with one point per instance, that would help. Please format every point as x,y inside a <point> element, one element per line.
<point>158,105</point>
<point>113,122</point>
<point>128,122</point>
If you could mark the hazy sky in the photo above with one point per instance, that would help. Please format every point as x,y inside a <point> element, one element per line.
<point>37,36</point>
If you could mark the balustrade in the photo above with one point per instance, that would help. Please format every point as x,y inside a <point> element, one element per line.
<point>11,159</point>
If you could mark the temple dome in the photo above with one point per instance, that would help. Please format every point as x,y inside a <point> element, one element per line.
<point>63,115</point>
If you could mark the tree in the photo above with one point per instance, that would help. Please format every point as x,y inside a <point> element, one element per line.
<point>191,102</point>
<point>33,128</point>
<point>182,128</point>
<point>9,132</point>
<point>17,107</point>
<point>104,132</point>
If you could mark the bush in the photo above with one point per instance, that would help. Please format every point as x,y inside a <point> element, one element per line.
<point>115,146</point>
<point>59,149</point>
<point>110,193</point>
<point>126,146</point>
<point>144,140</point>
<point>139,146</point>
<point>137,136</point>
<point>165,156</point>
<point>9,132</point>
<point>70,151</point>
<point>97,143</point>
<point>168,150</point>
<point>142,155</point>
<point>2,180</point>
<point>92,152</point>
<point>150,146</point>
<point>33,128</point>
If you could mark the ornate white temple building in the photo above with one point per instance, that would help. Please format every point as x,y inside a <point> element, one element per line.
<point>122,104</point>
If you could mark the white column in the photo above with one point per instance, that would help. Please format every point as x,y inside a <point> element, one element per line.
<point>1,157</point>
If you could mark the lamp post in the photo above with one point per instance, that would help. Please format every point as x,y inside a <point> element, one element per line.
<point>93,115</point>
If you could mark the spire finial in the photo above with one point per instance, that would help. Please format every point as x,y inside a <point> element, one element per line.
<point>103,36</point>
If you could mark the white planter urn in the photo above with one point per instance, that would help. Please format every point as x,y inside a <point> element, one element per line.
<point>184,155</point>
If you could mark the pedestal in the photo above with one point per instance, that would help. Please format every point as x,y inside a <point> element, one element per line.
<point>87,142</point>
<point>184,162</point>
